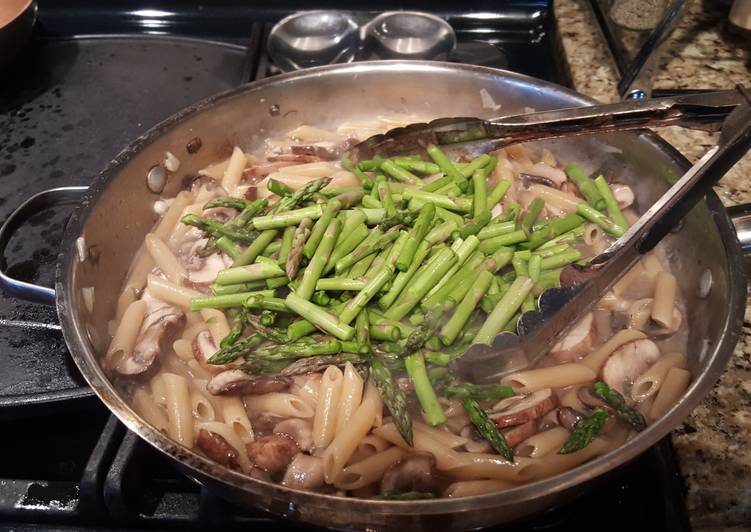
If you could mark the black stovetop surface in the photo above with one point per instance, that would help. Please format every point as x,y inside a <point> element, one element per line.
<point>94,77</point>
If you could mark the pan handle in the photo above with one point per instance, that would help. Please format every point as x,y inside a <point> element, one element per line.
<point>740,215</point>
<point>37,202</point>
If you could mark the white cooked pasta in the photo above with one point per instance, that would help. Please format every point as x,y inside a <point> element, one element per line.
<point>673,387</point>
<point>350,397</point>
<point>280,404</point>
<point>324,422</point>
<point>558,376</point>
<point>647,384</point>
<point>178,408</point>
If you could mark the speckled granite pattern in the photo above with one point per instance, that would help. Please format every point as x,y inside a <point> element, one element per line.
<point>714,444</point>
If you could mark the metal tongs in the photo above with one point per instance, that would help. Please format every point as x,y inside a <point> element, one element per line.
<point>561,308</point>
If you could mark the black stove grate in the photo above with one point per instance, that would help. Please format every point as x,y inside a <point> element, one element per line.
<point>69,465</point>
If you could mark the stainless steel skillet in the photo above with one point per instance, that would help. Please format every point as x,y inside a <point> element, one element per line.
<point>116,212</point>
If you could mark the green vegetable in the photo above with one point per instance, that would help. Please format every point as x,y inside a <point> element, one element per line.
<point>585,431</point>
<point>393,398</point>
<point>487,429</point>
<point>627,413</point>
<point>479,392</point>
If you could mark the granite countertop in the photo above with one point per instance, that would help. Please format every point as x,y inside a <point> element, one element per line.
<point>713,443</point>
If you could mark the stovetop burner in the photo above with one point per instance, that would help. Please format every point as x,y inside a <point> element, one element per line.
<point>94,78</point>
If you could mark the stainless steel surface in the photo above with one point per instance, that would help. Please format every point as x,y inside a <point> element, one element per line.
<point>14,34</point>
<point>117,213</point>
<point>314,38</point>
<point>474,136</point>
<point>36,203</point>
<point>637,32</point>
<point>409,35</point>
<point>561,308</point>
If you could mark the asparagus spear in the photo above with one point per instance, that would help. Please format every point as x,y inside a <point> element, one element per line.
<point>504,310</point>
<point>585,431</point>
<point>285,219</point>
<point>300,195</point>
<point>255,249</point>
<point>416,235</point>
<point>319,317</point>
<point>497,193</point>
<point>302,233</point>
<point>218,229</point>
<point>479,204</point>
<point>226,301</point>
<point>322,254</point>
<point>479,392</point>
<point>399,173</point>
<point>611,205</point>
<point>239,321</point>
<point>316,235</point>
<point>253,272</point>
<point>629,414</point>
<point>446,166</point>
<point>415,364</point>
<point>585,186</point>
<point>487,429</point>
<point>393,398</point>
<point>238,349</point>
<point>373,243</point>
<point>279,188</point>
<point>228,202</point>
<point>320,363</point>
<point>464,310</point>
<point>373,286</point>
<point>596,217</point>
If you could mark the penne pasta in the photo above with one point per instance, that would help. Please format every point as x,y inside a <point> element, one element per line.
<point>647,384</point>
<point>369,470</point>
<point>664,299</point>
<point>164,259</point>
<point>234,415</point>
<point>345,443</point>
<point>201,406</point>
<point>279,404</point>
<point>183,349</point>
<point>163,289</point>
<point>543,443</point>
<point>149,410</point>
<point>557,376</point>
<point>673,387</point>
<point>561,200</point>
<point>234,171</point>
<point>124,339</point>
<point>537,468</point>
<point>324,422</point>
<point>136,280</point>
<point>171,218</point>
<point>351,395</point>
<point>371,444</point>
<point>178,408</point>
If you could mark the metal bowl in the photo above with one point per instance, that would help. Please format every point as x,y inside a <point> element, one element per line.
<point>409,35</point>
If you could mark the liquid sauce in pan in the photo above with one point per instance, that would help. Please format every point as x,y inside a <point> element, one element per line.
<point>298,319</point>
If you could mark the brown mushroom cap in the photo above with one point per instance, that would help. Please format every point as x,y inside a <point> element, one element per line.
<point>159,329</point>
<point>628,362</point>
<point>520,409</point>
<point>272,453</point>
<point>568,417</point>
<point>414,472</point>
<point>217,448</point>
<point>237,382</point>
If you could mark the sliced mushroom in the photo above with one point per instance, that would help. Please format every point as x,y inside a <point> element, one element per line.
<point>324,150</point>
<point>414,472</point>
<point>555,175</point>
<point>237,382</point>
<point>159,329</point>
<point>475,442</point>
<point>569,417</point>
<point>305,472</point>
<point>520,409</point>
<point>622,194</point>
<point>205,270</point>
<point>272,453</point>
<point>293,158</point>
<point>203,349</point>
<point>590,400</point>
<point>298,429</point>
<point>519,433</point>
<point>548,421</point>
<point>628,362</point>
<point>577,342</point>
<point>217,448</point>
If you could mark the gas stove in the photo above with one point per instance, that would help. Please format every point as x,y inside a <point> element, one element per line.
<point>93,78</point>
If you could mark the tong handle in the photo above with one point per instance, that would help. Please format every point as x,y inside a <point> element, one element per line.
<point>561,309</point>
<point>696,111</point>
